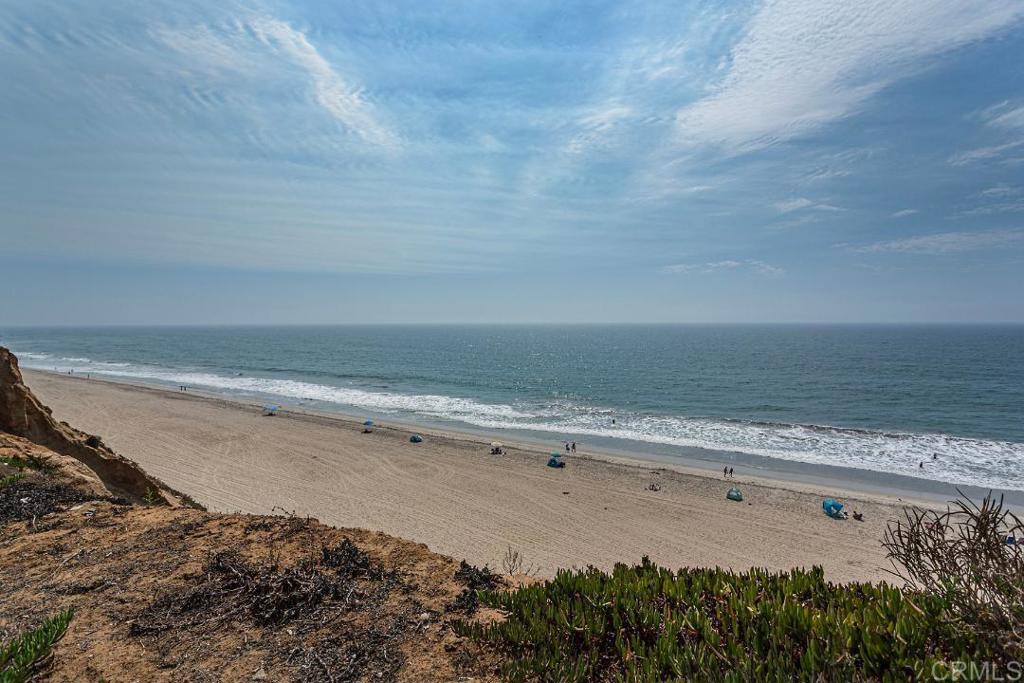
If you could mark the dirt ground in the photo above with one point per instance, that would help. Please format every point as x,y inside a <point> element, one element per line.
<point>176,594</point>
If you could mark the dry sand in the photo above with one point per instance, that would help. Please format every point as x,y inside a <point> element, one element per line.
<point>449,493</point>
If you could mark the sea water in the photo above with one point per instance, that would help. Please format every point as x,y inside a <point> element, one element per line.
<point>878,398</point>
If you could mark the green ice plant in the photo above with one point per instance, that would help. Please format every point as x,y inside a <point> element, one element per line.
<point>21,658</point>
<point>7,481</point>
<point>647,623</point>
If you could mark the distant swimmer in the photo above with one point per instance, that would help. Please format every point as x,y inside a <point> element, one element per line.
<point>935,456</point>
<point>921,464</point>
<point>613,420</point>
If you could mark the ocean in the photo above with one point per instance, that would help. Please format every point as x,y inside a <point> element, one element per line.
<point>877,398</point>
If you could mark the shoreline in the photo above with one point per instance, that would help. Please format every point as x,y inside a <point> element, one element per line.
<point>838,480</point>
<point>449,493</point>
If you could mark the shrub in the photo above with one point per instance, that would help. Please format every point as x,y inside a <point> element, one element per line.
<point>26,655</point>
<point>962,556</point>
<point>152,497</point>
<point>647,623</point>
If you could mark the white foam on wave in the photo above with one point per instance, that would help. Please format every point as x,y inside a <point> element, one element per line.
<point>432,405</point>
<point>979,462</point>
<point>33,356</point>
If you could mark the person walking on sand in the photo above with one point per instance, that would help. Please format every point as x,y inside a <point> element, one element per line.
<point>725,472</point>
<point>573,446</point>
<point>730,473</point>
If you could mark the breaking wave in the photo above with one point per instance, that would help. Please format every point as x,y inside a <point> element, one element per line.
<point>979,462</point>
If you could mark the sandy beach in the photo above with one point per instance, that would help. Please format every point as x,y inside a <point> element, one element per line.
<point>451,494</point>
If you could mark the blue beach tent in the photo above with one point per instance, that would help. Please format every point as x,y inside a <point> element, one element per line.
<point>555,460</point>
<point>833,508</point>
<point>734,494</point>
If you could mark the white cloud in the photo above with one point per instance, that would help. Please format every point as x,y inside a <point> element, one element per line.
<point>759,267</point>
<point>241,47</point>
<point>823,174</point>
<point>596,126</point>
<point>211,48</point>
<point>944,242</point>
<point>1001,190</point>
<point>1014,206</point>
<point>343,101</point>
<point>805,63</point>
<point>1004,116</point>
<point>793,204</point>
<point>983,153</point>
<point>798,203</point>
<point>903,213</point>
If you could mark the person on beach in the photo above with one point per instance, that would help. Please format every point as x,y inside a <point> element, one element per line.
<point>725,472</point>
<point>573,446</point>
<point>730,473</point>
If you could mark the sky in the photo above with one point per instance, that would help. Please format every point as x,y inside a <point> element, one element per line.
<point>332,162</point>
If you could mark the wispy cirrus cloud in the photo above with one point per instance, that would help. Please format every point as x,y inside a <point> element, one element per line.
<point>903,213</point>
<point>752,265</point>
<point>804,63</point>
<point>943,242</point>
<point>798,203</point>
<point>333,92</point>
<point>597,126</point>
<point>1002,190</point>
<point>1003,115</point>
<point>1014,206</point>
<point>983,153</point>
<point>246,45</point>
<point>1005,118</point>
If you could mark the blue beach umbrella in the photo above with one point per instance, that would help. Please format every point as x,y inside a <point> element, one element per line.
<point>368,423</point>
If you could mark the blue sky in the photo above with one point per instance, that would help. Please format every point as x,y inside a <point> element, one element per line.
<point>790,160</point>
